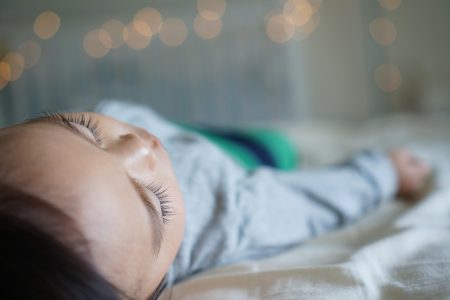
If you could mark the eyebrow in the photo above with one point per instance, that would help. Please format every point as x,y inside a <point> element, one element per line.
<point>156,221</point>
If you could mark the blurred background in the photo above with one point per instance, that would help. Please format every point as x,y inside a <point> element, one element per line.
<point>227,62</point>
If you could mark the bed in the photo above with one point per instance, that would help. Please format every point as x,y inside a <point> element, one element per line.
<point>397,252</point>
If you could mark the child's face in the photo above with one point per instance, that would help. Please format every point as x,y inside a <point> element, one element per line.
<point>133,238</point>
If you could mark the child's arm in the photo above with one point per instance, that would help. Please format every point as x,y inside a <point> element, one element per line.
<point>309,202</point>
<point>233,215</point>
<point>289,207</point>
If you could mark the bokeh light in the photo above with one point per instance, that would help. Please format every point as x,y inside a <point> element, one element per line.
<point>383,31</point>
<point>46,24</point>
<point>114,36</point>
<point>207,29</point>
<point>299,12</point>
<point>297,20</point>
<point>173,32</point>
<point>142,28</point>
<point>390,4</point>
<point>16,64</point>
<point>388,77</point>
<point>31,52</point>
<point>211,9</point>
<point>5,74</point>
<point>279,29</point>
<point>134,39</point>
<point>302,32</point>
<point>147,21</point>
<point>92,44</point>
<point>5,71</point>
<point>315,4</point>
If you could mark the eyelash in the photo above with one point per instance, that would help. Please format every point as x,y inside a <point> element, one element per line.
<point>161,193</point>
<point>87,121</point>
<point>83,120</point>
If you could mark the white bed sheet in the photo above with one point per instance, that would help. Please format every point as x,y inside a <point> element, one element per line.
<point>398,252</point>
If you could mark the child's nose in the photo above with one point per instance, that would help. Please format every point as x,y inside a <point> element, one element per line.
<point>136,150</point>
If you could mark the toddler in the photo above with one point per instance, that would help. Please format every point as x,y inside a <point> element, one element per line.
<point>94,206</point>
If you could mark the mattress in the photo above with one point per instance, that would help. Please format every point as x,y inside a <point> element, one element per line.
<point>399,251</point>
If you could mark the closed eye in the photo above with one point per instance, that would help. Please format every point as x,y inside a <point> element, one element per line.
<point>69,121</point>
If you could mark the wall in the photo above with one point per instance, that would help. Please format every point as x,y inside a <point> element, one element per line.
<point>240,76</point>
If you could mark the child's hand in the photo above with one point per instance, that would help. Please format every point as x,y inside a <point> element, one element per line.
<point>413,173</point>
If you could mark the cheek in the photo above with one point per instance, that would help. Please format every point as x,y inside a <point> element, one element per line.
<point>118,228</point>
<point>179,218</point>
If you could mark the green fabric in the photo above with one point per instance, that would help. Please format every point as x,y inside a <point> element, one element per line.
<point>278,145</point>
<point>241,154</point>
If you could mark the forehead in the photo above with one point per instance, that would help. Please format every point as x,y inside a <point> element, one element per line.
<point>39,153</point>
<point>52,162</point>
<point>75,176</point>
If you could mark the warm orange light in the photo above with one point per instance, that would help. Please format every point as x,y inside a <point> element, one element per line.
<point>134,39</point>
<point>93,45</point>
<point>142,28</point>
<point>5,71</point>
<point>173,32</point>
<point>3,83</point>
<point>211,9</point>
<point>302,32</point>
<point>315,4</point>
<point>298,12</point>
<point>47,24</point>
<point>390,4</point>
<point>31,52</point>
<point>5,74</point>
<point>147,21</point>
<point>279,29</point>
<point>383,31</point>
<point>388,77</point>
<point>114,36</point>
<point>207,29</point>
<point>16,64</point>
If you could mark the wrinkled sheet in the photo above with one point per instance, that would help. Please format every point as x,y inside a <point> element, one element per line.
<point>398,252</point>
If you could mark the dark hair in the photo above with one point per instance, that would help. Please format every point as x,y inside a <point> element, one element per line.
<point>42,255</point>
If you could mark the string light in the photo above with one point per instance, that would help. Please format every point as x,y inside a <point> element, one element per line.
<point>147,21</point>
<point>306,30</point>
<point>47,24</point>
<point>315,4</point>
<point>31,52</point>
<point>388,77</point>
<point>299,12</point>
<point>134,39</point>
<point>207,29</point>
<point>92,44</point>
<point>5,74</point>
<point>390,4</point>
<point>211,10</point>
<point>114,36</point>
<point>298,20</point>
<point>383,31</point>
<point>279,29</point>
<point>173,32</point>
<point>16,64</point>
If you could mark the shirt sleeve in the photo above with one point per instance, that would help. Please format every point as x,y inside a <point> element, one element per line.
<point>286,208</point>
<point>232,215</point>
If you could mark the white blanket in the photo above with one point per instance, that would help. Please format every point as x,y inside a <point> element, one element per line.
<point>398,252</point>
